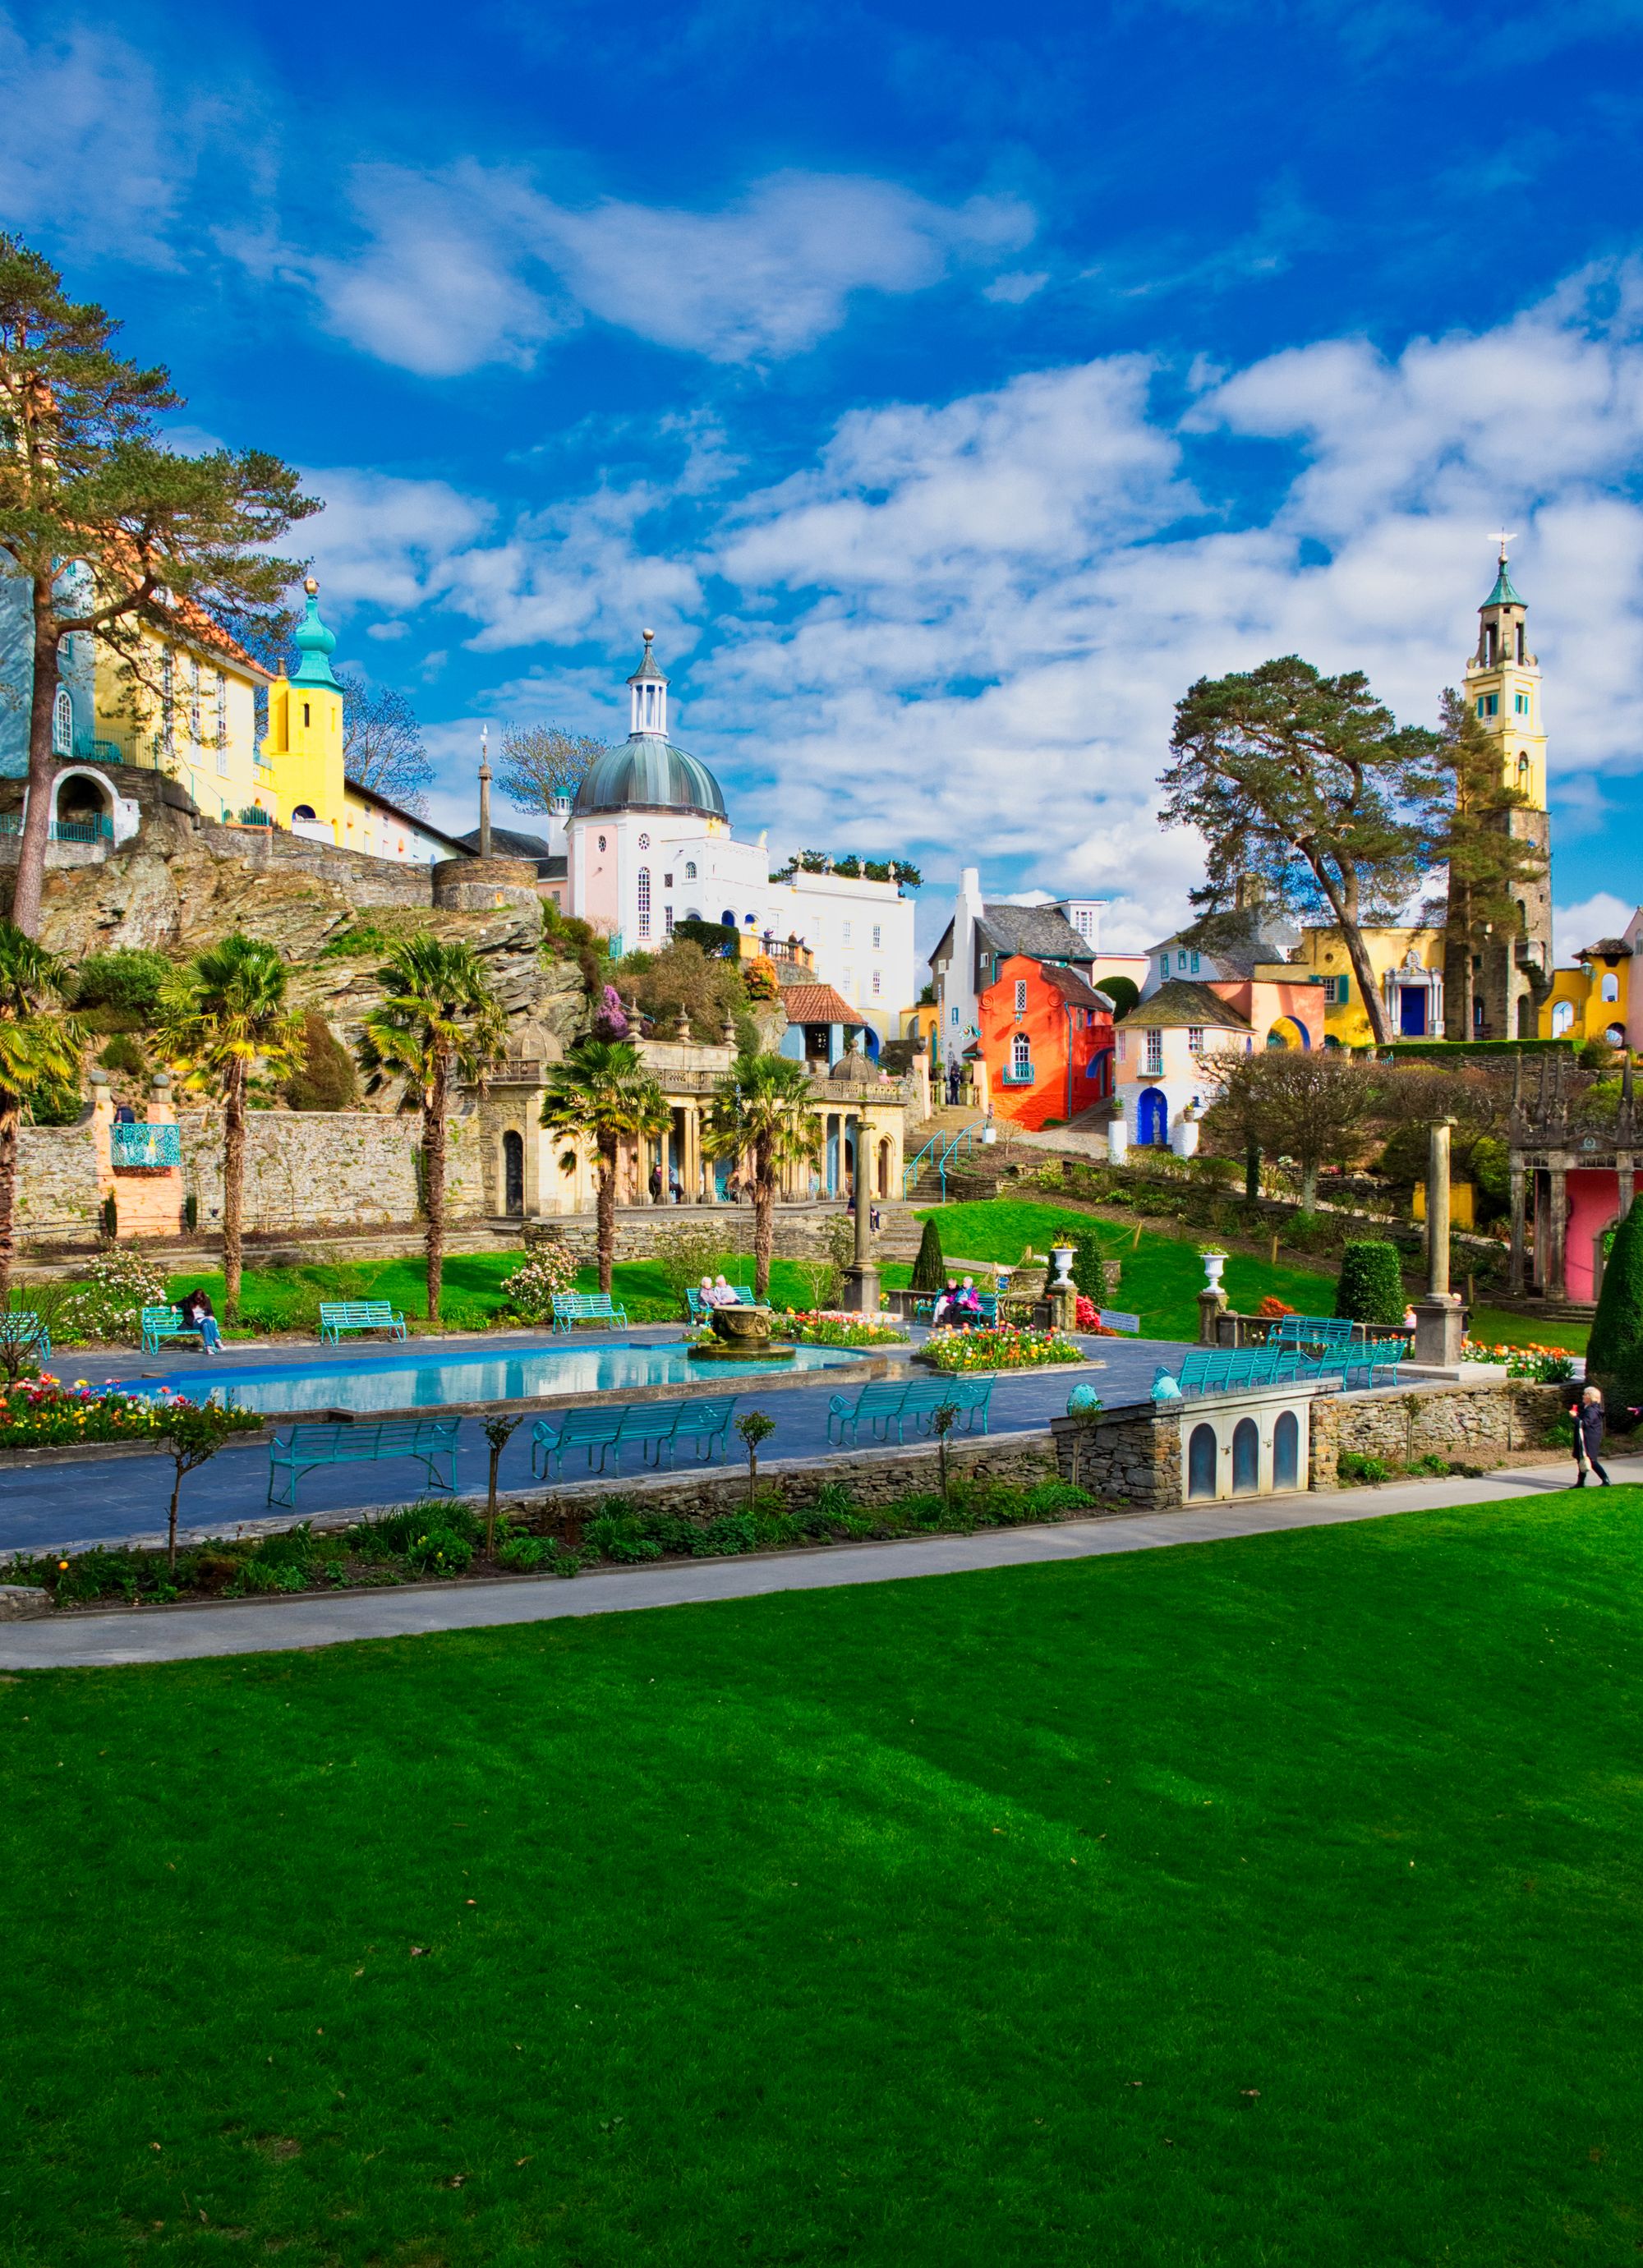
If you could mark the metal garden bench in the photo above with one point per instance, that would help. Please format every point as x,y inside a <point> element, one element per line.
<point>428,1440</point>
<point>1228,1370</point>
<point>21,1328</point>
<point>878,1406</point>
<point>160,1325</point>
<point>925,1395</point>
<point>702,1307</point>
<point>339,1316</point>
<point>703,1421</point>
<point>570,1308</point>
<point>1328,1331</point>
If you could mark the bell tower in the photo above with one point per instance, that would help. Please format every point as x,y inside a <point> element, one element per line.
<point>1511,976</point>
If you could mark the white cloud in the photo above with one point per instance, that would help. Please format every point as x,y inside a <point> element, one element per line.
<point>1575,927</point>
<point>387,542</point>
<point>1014,289</point>
<point>89,150</point>
<point>474,264</point>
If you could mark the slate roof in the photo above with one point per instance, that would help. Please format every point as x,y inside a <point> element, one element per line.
<point>1073,988</point>
<point>509,842</point>
<point>1042,932</point>
<point>1239,941</point>
<point>1182,1002</point>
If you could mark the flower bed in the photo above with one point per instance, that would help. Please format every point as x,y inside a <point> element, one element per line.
<point>42,1412</point>
<point>439,1540</point>
<point>829,1327</point>
<point>1545,1365</point>
<point>999,1346</point>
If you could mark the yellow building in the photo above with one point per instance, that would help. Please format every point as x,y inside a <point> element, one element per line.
<point>1593,1000</point>
<point>188,709</point>
<point>1408,966</point>
<point>300,773</point>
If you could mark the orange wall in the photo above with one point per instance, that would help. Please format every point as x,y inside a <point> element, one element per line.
<point>1045,1025</point>
<point>1263,1002</point>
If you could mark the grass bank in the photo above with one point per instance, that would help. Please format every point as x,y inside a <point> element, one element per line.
<point>1273,1904</point>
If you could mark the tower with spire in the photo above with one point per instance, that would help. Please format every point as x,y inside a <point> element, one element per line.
<point>303,746</point>
<point>1512,974</point>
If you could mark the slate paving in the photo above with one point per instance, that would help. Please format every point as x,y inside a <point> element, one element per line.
<point>47,1507</point>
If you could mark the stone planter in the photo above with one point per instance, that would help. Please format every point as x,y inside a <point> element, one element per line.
<point>742,1323</point>
<point>1214,1268</point>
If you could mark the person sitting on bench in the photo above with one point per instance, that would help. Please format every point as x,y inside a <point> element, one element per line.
<point>200,1315</point>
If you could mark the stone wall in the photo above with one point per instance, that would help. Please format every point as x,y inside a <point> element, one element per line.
<point>366,881</point>
<point>802,1232</point>
<point>1483,1425</point>
<point>1129,1456</point>
<point>57,1193</point>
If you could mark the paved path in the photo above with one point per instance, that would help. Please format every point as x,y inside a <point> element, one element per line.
<point>189,1633</point>
<point>46,1507</point>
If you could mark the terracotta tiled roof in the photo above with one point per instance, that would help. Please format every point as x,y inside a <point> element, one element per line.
<point>1074,988</point>
<point>818,1003</point>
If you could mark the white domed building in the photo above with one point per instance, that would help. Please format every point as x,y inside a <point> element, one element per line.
<point>649,844</point>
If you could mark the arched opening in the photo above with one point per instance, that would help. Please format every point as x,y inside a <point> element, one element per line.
<point>512,1171</point>
<point>1616,1036</point>
<point>1562,1018</point>
<point>302,811</point>
<point>884,1166</point>
<point>1289,1032</point>
<point>83,809</point>
<point>727,920</point>
<point>1152,1118</point>
<point>1610,989</point>
<point>1526,1017</point>
<point>1202,1451</point>
<point>1246,1461</point>
<point>1286,1451</point>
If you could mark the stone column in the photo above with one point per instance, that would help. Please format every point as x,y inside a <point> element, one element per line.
<point>1625,1175</point>
<point>1556,1227</point>
<point>1213,1305</point>
<point>861,1277</point>
<point>1438,1317</point>
<point>1514,1270</point>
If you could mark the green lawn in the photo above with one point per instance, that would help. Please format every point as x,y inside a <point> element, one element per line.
<point>1500,1326</point>
<point>1162,1275</point>
<point>1271,1904</point>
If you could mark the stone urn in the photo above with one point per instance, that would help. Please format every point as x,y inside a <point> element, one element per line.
<point>1214,1268</point>
<point>741,1324</point>
<point>1062,1254</point>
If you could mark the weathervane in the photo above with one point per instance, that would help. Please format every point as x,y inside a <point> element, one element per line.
<point>1503,540</point>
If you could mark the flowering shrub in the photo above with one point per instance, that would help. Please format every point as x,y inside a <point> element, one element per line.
<point>39,1410</point>
<point>828,1327</point>
<point>1272,1307</point>
<point>1087,1317</point>
<point>1544,1365</point>
<point>530,1290</point>
<point>1000,1346</point>
<point>109,1304</point>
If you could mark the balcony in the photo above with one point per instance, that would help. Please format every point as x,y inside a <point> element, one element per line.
<point>1017,1074</point>
<point>145,1149</point>
<point>95,826</point>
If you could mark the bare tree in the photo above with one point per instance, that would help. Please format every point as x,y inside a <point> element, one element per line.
<point>1314,1107</point>
<point>542,761</point>
<point>382,742</point>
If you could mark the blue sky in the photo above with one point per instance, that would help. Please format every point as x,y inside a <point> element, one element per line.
<point>948,386</point>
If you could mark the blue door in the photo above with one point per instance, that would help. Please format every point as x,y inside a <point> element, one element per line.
<point>1286,1451</point>
<point>1152,1118</point>
<point>1412,1010</point>
<point>1246,1457</point>
<point>1203,1450</point>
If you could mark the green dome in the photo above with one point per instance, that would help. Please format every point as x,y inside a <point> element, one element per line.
<point>315,641</point>
<point>646,773</point>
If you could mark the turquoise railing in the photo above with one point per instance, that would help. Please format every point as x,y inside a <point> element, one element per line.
<point>941,1153</point>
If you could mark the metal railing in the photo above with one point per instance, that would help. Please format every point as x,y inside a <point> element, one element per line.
<point>941,1153</point>
<point>96,827</point>
<point>137,1149</point>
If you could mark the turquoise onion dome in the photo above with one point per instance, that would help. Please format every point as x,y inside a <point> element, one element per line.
<point>315,643</point>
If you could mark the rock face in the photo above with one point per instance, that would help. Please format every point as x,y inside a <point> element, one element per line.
<point>178,895</point>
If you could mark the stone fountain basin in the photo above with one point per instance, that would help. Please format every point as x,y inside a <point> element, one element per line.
<point>742,1323</point>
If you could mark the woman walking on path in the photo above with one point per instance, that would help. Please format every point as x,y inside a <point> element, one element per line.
<point>1587,1414</point>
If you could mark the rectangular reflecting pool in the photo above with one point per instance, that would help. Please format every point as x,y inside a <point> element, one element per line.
<point>398,1381</point>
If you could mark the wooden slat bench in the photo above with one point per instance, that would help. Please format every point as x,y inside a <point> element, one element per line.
<point>430,1442</point>
<point>339,1316</point>
<point>570,1307</point>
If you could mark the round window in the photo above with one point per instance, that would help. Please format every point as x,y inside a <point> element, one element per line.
<point>644,842</point>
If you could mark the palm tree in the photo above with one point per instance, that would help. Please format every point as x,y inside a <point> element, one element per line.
<point>763,1108</point>
<point>223,1013</point>
<point>601,1094</point>
<point>440,1023</point>
<point>36,1043</point>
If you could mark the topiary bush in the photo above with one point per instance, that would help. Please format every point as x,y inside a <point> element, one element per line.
<point>327,1079</point>
<point>1370,1285</point>
<point>1614,1354</point>
<point>930,1269</point>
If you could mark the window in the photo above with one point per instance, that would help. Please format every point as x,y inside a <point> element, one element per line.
<point>1155,1053</point>
<point>1020,1057</point>
<point>62,724</point>
<point>1194,1039</point>
<point>645,902</point>
<point>667,881</point>
<point>877,935</point>
<point>167,695</point>
<point>1562,1018</point>
<point>1610,989</point>
<point>1522,655</point>
<point>875,984</point>
<point>1492,643</point>
<point>668,918</point>
<point>222,726</point>
<point>689,862</point>
<point>1194,964</point>
<point>846,937</point>
<point>194,700</point>
<point>1020,996</point>
<point>305,719</point>
<point>1181,960</point>
<point>955,1015</point>
<point>1489,704</point>
<point>1520,704</point>
<point>1163,964</point>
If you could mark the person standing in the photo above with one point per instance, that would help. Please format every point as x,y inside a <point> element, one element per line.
<point>656,1184</point>
<point>1587,1414</point>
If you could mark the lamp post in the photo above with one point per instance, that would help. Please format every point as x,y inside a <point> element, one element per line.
<point>1440,1318</point>
<point>484,790</point>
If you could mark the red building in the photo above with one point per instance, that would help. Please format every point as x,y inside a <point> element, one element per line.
<point>1046,1038</point>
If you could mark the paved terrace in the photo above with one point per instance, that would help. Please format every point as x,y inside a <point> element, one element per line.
<point>51,1507</point>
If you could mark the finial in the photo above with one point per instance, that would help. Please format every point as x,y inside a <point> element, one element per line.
<point>484,752</point>
<point>1502,540</point>
<point>647,635</point>
<point>311,585</point>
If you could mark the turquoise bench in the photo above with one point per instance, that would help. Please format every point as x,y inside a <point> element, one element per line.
<point>879,1406</point>
<point>570,1308</point>
<point>20,1328</point>
<point>430,1442</point>
<point>1327,1331</point>
<point>702,1307</point>
<point>339,1316</point>
<point>1366,1359</point>
<point>1228,1370</point>
<point>655,1427</point>
<point>161,1325</point>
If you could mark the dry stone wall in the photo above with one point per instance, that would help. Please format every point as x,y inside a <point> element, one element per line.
<point>1483,1425</point>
